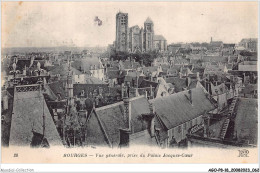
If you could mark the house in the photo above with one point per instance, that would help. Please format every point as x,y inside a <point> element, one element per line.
<point>61,72</point>
<point>219,93</point>
<point>180,112</point>
<point>90,65</point>
<point>133,78</point>
<point>219,70</point>
<point>173,48</point>
<point>248,66</point>
<point>112,77</point>
<point>154,89</point>
<point>29,127</point>
<point>249,43</point>
<point>97,92</point>
<point>213,60</point>
<point>126,123</point>
<point>240,129</point>
<point>129,64</point>
<point>160,61</point>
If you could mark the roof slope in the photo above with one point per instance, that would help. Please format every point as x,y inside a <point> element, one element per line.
<point>27,116</point>
<point>246,120</point>
<point>63,70</point>
<point>112,117</point>
<point>176,109</point>
<point>86,63</point>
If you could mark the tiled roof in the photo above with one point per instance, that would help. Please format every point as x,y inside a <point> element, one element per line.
<point>30,117</point>
<point>58,87</point>
<point>179,83</point>
<point>112,74</point>
<point>93,80</point>
<point>229,45</point>
<point>216,43</point>
<point>249,89</point>
<point>112,118</point>
<point>215,59</point>
<point>176,109</point>
<point>86,63</point>
<point>21,64</point>
<point>246,120</point>
<point>147,83</point>
<point>90,89</point>
<point>63,70</point>
<point>149,69</point>
<point>129,64</point>
<point>219,89</point>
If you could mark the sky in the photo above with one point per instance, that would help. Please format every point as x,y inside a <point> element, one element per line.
<point>50,24</point>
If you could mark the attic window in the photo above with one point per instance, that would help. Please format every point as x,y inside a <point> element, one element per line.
<point>82,93</point>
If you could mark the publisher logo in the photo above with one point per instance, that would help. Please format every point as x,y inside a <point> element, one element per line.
<point>243,153</point>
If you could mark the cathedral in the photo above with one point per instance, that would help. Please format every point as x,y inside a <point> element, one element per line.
<point>135,38</point>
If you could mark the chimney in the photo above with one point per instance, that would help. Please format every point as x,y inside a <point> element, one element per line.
<point>142,63</point>
<point>180,74</point>
<point>152,112</point>
<point>190,96</point>
<point>137,78</point>
<point>151,92</point>
<point>198,76</point>
<point>127,113</point>
<point>122,90</point>
<point>5,101</point>
<point>124,138</point>
<point>24,70</point>
<point>244,74</point>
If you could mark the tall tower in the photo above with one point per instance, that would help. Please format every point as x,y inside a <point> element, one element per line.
<point>122,32</point>
<point>148,34</point>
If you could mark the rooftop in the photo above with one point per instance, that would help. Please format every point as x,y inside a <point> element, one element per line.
<point>26,119</point>
<point>177,109</point>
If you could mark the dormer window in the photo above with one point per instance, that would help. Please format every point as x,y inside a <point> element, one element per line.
<point>82,93</point>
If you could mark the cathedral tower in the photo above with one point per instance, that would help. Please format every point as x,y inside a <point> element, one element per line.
<point>122,32</point>
<point>148,34</point>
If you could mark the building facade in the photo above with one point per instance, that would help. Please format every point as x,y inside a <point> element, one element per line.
<point>135,39</point>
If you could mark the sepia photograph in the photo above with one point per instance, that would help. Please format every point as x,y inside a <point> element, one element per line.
<point>129,82</point>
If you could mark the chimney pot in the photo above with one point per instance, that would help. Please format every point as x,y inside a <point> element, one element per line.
<point>127,112</point>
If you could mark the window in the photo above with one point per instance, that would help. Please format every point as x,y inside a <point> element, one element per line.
<point>82,93</point>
